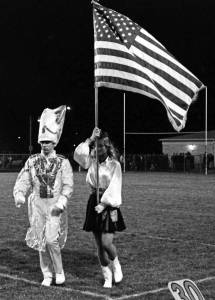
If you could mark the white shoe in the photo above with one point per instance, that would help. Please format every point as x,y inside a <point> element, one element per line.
<point>47,281</point>
<point>60,278</point>
<point>107,277</point>
<point>117,270</point>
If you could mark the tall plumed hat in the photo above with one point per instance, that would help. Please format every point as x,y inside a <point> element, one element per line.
<point>51,124</point>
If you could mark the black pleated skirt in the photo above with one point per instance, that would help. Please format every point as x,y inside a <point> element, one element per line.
<point>108,221</point>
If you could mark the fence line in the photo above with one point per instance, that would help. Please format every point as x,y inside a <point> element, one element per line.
<point>182,162</point>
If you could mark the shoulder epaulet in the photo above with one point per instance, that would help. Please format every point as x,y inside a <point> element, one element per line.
<point>34,156</point>
<point>61,156</point>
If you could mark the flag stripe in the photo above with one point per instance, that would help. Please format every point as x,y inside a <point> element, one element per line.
<point>125,81</point>
<point>110,62</point>
<point>177,115</point>
<point>135,79</point>
<point>126,78</point>
<point>110,82</point>
<point>163,57</point>
<point>148,62</point>
<point>162,52</point>
<point>146,36</point>
<point>125,85</point>
<point>166,69</point>
<point>174,85</point>
<point>177,122</point>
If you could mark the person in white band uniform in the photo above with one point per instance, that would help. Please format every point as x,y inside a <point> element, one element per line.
<point>49,178</point>
<point>103,218</point>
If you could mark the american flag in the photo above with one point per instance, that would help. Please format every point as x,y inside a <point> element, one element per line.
<point>128,58</point>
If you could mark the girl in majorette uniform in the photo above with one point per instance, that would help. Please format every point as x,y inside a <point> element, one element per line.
<point>103,218</point>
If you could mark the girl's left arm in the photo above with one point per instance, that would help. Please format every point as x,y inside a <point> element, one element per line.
<point>112,196</point>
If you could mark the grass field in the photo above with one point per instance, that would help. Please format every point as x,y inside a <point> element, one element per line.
<point>170,235</point>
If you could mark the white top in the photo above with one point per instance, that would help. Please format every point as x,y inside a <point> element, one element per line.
<point>110,174</point>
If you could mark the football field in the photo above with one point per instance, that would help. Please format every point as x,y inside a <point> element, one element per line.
<point>170,235</point>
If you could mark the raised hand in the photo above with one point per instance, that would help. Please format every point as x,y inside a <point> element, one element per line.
<point>96,133</point>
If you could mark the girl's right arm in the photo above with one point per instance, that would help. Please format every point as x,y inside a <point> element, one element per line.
<point>82,154</point>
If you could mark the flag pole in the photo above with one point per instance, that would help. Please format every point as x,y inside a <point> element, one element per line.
<point>206,130</point>
<point>124,133</point>
<point>97,160</point>
<point>96,122</point>
<point>30,135</point>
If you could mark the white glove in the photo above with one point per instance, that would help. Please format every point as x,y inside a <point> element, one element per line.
<point>19,200</point>
<point>62,202</point>
<point>99,208</point>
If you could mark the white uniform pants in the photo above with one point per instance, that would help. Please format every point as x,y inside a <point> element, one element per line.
<point>51,259</point>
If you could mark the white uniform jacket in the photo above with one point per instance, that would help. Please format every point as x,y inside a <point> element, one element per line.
<point>48,180</point>
<point>110,174</point>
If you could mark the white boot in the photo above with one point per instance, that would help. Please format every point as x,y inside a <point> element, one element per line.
<point>60,278</point>
<point>117,270</point>
<point>107,273</point>
<point>47,281</point>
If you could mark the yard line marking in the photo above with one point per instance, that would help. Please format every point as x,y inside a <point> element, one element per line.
<point>205,279</point>
<point>88,293</point>
<point>159,290</point>
<point>168,239</point>
<point>155,291</point>
<point>178,240</point>
<point>142,294</point>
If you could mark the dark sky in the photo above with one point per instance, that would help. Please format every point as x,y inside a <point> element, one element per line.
<point>46,60</point>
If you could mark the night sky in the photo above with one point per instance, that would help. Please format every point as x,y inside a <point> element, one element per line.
<point>46,60</point>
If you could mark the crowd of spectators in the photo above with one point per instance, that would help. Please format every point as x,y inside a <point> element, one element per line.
<point>184,162</point>
<point>11,161</point>
<point>177,162</point>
